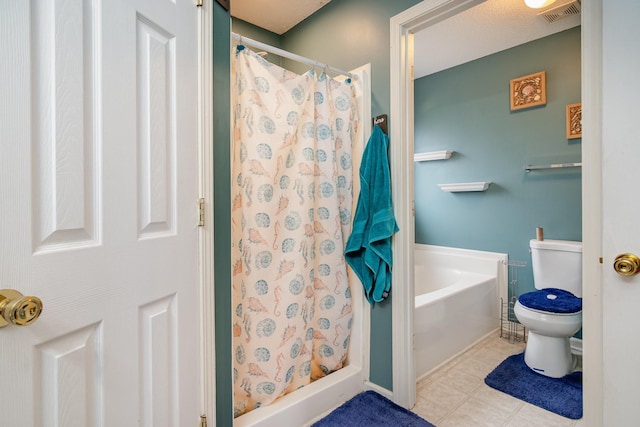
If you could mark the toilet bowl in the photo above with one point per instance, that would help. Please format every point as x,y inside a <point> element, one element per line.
<point>553,313</point>
<point>548,349</point>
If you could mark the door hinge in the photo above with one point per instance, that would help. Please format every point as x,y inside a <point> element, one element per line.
<point>201,212</point>
<point>203,421</point>
<point>199,3</point>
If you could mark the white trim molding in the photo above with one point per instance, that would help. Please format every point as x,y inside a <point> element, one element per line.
<point>205,142</point>
<point>593,379</point>
<point>402,27</point>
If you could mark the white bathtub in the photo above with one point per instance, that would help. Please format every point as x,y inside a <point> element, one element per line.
<point>457,301</point>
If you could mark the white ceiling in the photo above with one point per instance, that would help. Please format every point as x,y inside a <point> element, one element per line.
<point>277,16</point>
<point>487,28</point>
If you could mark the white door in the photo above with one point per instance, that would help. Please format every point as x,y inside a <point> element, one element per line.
<point>621,210</point>
<point>98,196</point>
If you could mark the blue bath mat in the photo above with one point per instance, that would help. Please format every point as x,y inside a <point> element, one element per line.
<point>370,409</point>
<point>560,395</point>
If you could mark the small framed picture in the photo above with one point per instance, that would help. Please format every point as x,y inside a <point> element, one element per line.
<point>528,91</point>
<point>574,120</point>
<point>224,3</point>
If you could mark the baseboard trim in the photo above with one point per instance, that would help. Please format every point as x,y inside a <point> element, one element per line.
<point>368,385</point>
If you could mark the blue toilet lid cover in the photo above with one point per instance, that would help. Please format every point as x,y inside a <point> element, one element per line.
<point>552,300</point>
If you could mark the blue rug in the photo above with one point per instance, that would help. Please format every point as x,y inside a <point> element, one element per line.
<point>370,409</point>
<point>560,395</point>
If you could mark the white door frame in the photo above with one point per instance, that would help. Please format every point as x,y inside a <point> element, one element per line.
<point>592,338</point>
<point>205,148</point>
<point>402,27</point>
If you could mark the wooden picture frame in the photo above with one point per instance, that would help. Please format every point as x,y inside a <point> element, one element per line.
<point>528,91</point>
<point>574,120</point>
<point>224,3</point>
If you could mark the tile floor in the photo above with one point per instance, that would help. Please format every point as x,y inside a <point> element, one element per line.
<point>456,395</point>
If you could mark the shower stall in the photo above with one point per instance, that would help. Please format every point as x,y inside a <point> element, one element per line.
<point>298,313</point>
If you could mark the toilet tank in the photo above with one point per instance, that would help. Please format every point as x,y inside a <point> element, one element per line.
<point>557,264</point>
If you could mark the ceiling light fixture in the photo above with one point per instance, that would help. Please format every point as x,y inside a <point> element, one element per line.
<point>537,4</point>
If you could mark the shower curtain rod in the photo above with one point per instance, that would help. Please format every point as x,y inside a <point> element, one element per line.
<point>286,54</point>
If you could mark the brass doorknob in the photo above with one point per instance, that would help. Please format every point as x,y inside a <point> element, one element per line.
<point>18,309</point>
<point>627,264</point>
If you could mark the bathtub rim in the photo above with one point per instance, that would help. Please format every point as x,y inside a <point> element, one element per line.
<point>501,260</point>
<point>468,280</point>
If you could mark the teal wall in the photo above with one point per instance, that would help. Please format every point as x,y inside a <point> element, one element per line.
<point>348,34</point>
<point>222,212</point>
<point>247,29</point>
<point>466,109</point>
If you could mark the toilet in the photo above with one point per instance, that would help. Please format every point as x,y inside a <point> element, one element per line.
<point>552,313</point>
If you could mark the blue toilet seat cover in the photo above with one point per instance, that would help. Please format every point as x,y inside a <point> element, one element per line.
<point>552,300</point>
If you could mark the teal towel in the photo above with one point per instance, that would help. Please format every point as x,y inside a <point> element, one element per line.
<point>368,249</point>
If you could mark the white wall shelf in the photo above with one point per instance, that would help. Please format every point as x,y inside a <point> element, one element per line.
<point>465,186</point>
<point>432,155</point>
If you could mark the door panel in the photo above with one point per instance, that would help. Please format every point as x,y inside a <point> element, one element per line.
<point>621,209</point>
<point>99,189</point>
<point>64,91</point>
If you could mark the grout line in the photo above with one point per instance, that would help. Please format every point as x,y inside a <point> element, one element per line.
<point>514,413</point>
<point>486,344</point>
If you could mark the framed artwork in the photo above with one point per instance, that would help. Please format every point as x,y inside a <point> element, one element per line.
<point>224,3</point>
<point>574,120</point>
<point>528,91</point>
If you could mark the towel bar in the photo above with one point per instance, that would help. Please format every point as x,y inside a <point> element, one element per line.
<point>529,168</point>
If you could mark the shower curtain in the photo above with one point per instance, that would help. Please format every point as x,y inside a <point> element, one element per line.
<point>292,180</point>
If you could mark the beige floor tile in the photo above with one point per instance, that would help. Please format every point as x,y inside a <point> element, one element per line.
<point>431,412</point>
<point>475,367</point>
<point>475,412</point>
<point>532,416</point>
<point>437,400</point>
<point>490,357</point>
<point>497,398</point>
<point>489,339</point>
<point>460,381</point>
<point>456,395</point>
<point>471,351</point>
<point>581,423</point>
<point>439,373</point>
<point>505,347</point>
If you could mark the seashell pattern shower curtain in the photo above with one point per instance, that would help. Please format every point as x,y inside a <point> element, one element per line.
<point>292,180</point>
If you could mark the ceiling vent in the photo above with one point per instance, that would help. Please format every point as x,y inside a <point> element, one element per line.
<point>560,12</point>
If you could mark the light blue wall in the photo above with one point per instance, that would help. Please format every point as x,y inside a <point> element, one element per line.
<point>466,109</point>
